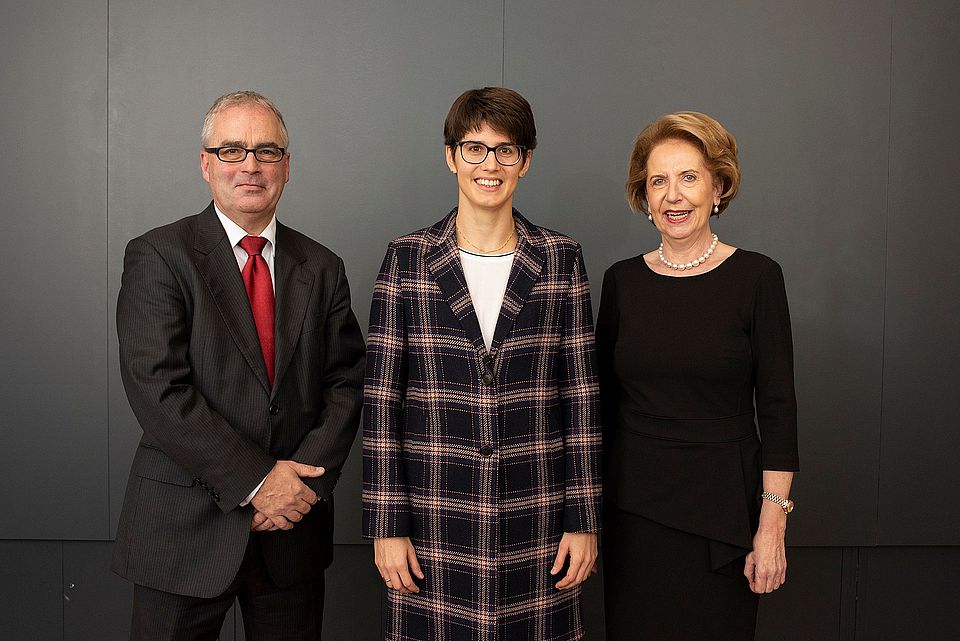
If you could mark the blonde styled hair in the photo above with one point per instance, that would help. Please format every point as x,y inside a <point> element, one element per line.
<point>718,146</point>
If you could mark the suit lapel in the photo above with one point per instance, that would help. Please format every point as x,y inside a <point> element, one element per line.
<point>443,262</point>
<point>294,286</point>
<point>528,262</point>
<point>217,265</point>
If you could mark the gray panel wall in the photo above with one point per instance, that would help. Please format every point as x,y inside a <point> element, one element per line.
<point>814,160</point>
<point>53,115</point>
<point>844,117</point>
<point>922,305</point>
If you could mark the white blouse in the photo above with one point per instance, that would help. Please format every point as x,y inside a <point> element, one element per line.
<point>487,282</point>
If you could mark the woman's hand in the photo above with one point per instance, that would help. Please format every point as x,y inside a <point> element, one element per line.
<point>766,565</point>
<point>396,559</point>
<point>581,547</point>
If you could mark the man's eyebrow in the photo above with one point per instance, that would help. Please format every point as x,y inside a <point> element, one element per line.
<point>231,143</point>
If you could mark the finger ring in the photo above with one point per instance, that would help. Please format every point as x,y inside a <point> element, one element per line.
<point>387,580</point>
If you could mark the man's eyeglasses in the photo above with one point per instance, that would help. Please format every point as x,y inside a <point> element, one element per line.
<point>239,154</point>
<point>475,153</point>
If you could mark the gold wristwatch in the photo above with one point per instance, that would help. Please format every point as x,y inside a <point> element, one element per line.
<point>786,504</point>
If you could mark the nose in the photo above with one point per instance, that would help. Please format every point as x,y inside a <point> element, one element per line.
<point>673,191</point>
<point>490,162</point>
<point>250,164</point>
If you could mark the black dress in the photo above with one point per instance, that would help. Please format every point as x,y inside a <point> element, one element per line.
<point>681,361</point>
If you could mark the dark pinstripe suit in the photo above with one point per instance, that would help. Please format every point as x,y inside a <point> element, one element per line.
<point>213,428</point>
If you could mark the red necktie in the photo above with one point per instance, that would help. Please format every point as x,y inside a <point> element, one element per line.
<point>256,278</point>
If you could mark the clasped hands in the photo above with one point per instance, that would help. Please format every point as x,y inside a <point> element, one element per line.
<point>397,562</point>
<point>284,499</point>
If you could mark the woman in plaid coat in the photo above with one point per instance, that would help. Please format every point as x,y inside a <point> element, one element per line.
<point>481,434</point>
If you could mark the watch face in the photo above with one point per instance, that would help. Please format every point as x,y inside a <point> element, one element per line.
<point>788,506</point>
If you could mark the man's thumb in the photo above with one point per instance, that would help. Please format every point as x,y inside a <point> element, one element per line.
<point>302,469</point>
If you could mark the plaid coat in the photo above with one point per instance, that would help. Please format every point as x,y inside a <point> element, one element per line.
<point>482,459</point>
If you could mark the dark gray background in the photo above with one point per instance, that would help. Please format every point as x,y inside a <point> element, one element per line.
<point>845,115</point>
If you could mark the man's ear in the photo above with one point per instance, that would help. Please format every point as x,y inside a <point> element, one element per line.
<point>203,166</point>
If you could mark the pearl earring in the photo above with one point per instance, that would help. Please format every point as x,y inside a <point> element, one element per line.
<point>716,209</point>
<point>650,217</point>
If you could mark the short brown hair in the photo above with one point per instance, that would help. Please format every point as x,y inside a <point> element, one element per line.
<point>502,109</point>
<point>233,99</point>
<point>718,146</point>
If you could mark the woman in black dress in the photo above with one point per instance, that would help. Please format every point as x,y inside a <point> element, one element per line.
<point>689,337</point>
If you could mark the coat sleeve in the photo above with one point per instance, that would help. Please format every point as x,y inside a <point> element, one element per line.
<point>385,503</point>
<point>579,399</point>
<point>329,442</point>
<point>153,327</point>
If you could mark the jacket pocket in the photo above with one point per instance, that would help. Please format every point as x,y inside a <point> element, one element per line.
<point>151,463</point>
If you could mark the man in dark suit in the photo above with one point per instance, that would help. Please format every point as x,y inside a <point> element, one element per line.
<point>243,363</point>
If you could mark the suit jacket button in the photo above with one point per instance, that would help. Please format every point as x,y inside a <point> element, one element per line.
<point>273,409</point>
<point>486,451</point>
<point>487,379</point>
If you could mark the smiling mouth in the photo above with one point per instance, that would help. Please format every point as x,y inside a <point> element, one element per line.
<point>489,182</point>
<point>677,216</point>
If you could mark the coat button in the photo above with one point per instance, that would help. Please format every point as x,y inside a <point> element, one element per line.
<point>273,409</point>
<point>487,379</point>
<point>486,450</point>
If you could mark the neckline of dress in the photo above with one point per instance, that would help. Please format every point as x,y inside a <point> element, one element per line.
<point>723,262</point>
<point>470,253</point>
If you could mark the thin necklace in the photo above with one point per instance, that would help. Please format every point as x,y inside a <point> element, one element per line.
<point>487,251</point>
<point>692,263</point>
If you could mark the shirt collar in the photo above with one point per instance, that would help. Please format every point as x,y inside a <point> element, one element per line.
<point>236,233</point>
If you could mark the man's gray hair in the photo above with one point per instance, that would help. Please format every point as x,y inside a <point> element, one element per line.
<point>234,99</point>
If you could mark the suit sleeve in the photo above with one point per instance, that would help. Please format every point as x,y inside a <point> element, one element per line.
<point>154,311</point>
<point>328,444</point>
<point>579,400</point>
<point>385,503</point>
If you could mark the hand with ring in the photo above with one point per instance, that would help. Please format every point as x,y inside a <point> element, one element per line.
<point>396,560</point>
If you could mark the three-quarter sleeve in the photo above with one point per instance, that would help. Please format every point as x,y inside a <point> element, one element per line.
<point>772,346</point>
<point>608,325</point>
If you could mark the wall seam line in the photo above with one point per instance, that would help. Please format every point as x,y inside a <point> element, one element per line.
<point>107,265</point>
<point>886,271</point>
<point>503,42</point>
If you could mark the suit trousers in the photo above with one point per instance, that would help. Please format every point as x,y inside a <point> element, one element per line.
<point>270,613</point>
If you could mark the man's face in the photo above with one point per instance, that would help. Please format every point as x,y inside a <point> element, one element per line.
<point>247,192</point>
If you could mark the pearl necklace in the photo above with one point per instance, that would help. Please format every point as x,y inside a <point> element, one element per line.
<point>487,251</point>
<point>692,263</point>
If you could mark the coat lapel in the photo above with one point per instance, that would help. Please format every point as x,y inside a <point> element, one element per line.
<point>528,262</point>
<point>294,286</point>
<point>443,262</point>
<point>217,264</point>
